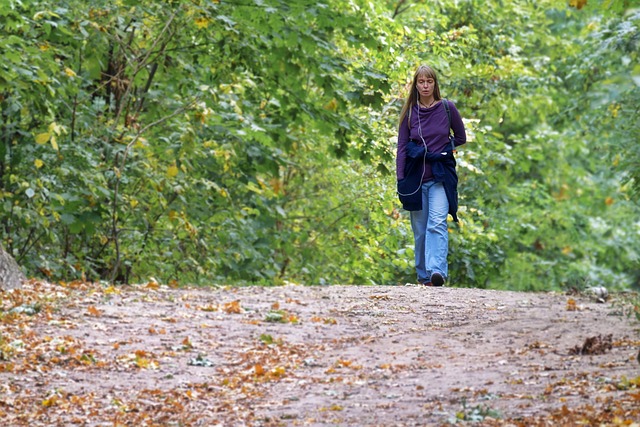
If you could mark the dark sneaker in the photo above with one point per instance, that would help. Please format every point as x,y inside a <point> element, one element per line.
<point>437,279</point>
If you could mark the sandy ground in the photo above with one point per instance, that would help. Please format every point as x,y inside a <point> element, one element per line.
<point>318,356</point>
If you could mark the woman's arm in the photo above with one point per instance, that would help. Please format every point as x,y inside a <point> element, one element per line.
<point>457,125</point>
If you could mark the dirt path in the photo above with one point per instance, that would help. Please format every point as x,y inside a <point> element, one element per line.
<point>317,356</point>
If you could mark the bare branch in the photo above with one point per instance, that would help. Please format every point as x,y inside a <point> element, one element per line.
<point>399,8</point>
<point>142,61</point>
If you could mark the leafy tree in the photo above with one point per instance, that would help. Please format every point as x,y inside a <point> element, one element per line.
<point>169,101</point>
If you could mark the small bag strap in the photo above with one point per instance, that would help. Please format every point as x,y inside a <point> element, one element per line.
<point>446,107</point>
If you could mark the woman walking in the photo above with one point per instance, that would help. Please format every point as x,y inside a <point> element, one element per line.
<point>425,169</point>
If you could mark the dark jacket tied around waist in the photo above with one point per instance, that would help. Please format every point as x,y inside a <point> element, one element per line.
<point>443,166</point>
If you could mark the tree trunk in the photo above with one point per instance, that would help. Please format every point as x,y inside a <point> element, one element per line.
<point>11,276</point>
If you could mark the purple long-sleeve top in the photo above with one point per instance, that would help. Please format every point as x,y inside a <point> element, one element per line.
<point>435,131</point>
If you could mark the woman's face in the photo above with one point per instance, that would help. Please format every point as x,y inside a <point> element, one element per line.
<point>425,85</point>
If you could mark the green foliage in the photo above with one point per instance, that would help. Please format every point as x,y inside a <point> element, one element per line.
<point>170,102</point>
<point>476,414</point>
<point>253,141</point>
<point>628,305</point>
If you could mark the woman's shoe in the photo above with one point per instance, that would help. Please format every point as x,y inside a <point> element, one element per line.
<point>437,279</point>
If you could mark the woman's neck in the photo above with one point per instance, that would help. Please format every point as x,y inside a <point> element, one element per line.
<point>426,102</point>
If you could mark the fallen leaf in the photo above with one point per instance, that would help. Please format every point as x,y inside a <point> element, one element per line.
<point>259,370</point>
<point>594,345</point>
<point>232,307</point>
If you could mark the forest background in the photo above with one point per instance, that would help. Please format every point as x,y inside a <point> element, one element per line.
<point>253,141</point>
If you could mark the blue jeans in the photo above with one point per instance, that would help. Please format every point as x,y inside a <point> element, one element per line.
<point>430,232</point>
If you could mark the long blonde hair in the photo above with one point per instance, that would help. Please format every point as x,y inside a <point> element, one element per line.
<point>422,71</point>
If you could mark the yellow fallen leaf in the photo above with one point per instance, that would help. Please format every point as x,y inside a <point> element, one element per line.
<point>279,371</point>
<point>144,363</point>
<point>111,290</point>
<point>50,401</point>
<point>39,163</point>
